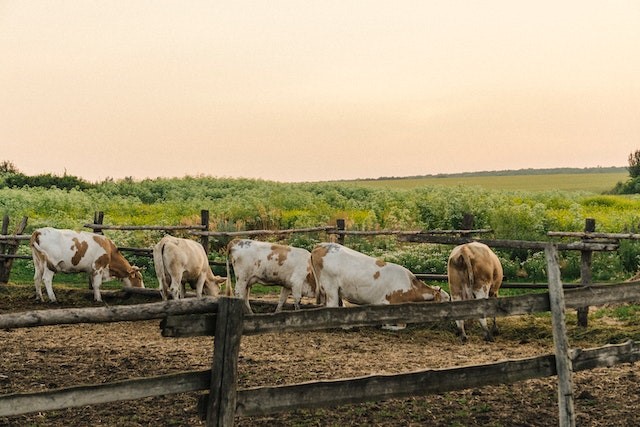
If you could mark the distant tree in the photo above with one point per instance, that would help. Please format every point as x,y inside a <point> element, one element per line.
<point>7,167</point>
<point>634,164</point>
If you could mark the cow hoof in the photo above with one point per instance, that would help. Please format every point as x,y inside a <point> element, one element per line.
<point>488,338</point>
<point>463,339</point>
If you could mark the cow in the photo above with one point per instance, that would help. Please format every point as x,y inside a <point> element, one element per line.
<point>271,264</point>
<point>67,251</point>
<point>474,271</point>
<point>343,273</point>
<point>178,261</point>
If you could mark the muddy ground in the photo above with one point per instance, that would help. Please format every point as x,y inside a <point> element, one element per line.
<point>43,358</point>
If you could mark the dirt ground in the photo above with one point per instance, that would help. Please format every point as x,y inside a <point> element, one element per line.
<point>44,358</point>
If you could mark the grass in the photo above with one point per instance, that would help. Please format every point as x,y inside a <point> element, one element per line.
<point>588,182</point>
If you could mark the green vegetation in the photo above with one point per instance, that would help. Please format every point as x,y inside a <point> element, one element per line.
<point>592,182</point>
<point>245,204</point>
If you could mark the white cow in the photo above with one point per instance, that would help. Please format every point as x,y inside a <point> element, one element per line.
<point>360,279</point>
<point>474,271</point>
<point>178,261</point>
<point>271,264</point>
<point>68,251</point>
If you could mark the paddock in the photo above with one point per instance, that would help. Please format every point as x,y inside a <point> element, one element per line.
<point>50,357</point>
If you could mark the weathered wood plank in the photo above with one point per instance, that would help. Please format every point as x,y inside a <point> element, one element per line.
<point>509,244</point>
<point>593,235</point>
<point>566,412</point>
<point>266,400</point>
<point>260,232</point>
<point>15,237</point>
<point>143,227</point>
<point>425,233</point>
<point>335,317</point>
<point>23,403</point>
<point>224,372</point>
<point>107,314</point>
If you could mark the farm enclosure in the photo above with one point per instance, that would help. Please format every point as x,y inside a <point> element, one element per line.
<point>77,354</point>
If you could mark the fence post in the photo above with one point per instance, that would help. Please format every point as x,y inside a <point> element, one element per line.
<point>98,218</point>
<point>341,226</point>
<point>204,220</point>
<point>560,340</point>
<point>585,272</point>
<point>468,220</point>
<point>9,248</point>
<point>5,231</point>
<point>224,372</point>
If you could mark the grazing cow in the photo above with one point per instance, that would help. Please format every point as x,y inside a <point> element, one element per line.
<point>68,251</point>
<point>178,261</point>
<point>271,264</point>
<point>474,271</point>
<point>360,279</point>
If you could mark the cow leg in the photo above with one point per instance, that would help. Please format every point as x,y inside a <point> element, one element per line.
<point>96,281</point>
<point>284,294</point>
<point>200,285</point>
<point>242,291</point>
<point>297,297</point>
<point>333,298</point>
<point>174,288</point>
<point>478,294</point>
<point>461,333</point>
<point>37,281</point>
<point>459,323</point>
<point>47,277</point>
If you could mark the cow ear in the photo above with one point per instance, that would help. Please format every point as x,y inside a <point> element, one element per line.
<point>133,270</point>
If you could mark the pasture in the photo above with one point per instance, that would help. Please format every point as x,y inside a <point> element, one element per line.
<point>52,357</point>
<point>587,182</point>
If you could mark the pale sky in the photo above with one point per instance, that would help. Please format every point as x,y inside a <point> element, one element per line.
<point>305,90</point>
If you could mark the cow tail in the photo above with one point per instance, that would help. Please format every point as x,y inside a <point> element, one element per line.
<point>466,256</point>
<point>160,271</point>
<point>227,288</point>
<point>319,289</point>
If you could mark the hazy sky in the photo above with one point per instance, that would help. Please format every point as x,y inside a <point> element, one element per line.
<point>316,90</point>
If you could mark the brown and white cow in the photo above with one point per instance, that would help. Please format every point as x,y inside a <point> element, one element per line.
<point>67,251</point>
<point>344,273</point>
<point>178,261</point>
<point>271,264</point>
<point>474,271</point>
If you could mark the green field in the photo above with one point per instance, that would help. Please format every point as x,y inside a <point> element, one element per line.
<point>592,182</point>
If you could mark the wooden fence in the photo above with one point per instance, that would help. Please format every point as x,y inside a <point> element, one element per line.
<point>224,318</point>
<point>589,242</point>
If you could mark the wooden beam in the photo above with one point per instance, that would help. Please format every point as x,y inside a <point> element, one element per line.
<point>370,315</point>
<point>260,232</point>
<point>594,235</point>
<point>224,372</point>
<point>118,313</point>
<point>70,397</point>
<point>509,244</point>
<point>316,394</point>
<point>144,227</point>
<point>567,417</point>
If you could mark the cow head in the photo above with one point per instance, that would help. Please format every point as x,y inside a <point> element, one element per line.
<point>134,277</point>
<point>212,285</point>
<point>442,295</point>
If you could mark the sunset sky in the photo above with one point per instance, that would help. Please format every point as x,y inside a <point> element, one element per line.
<point>316,90</point>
